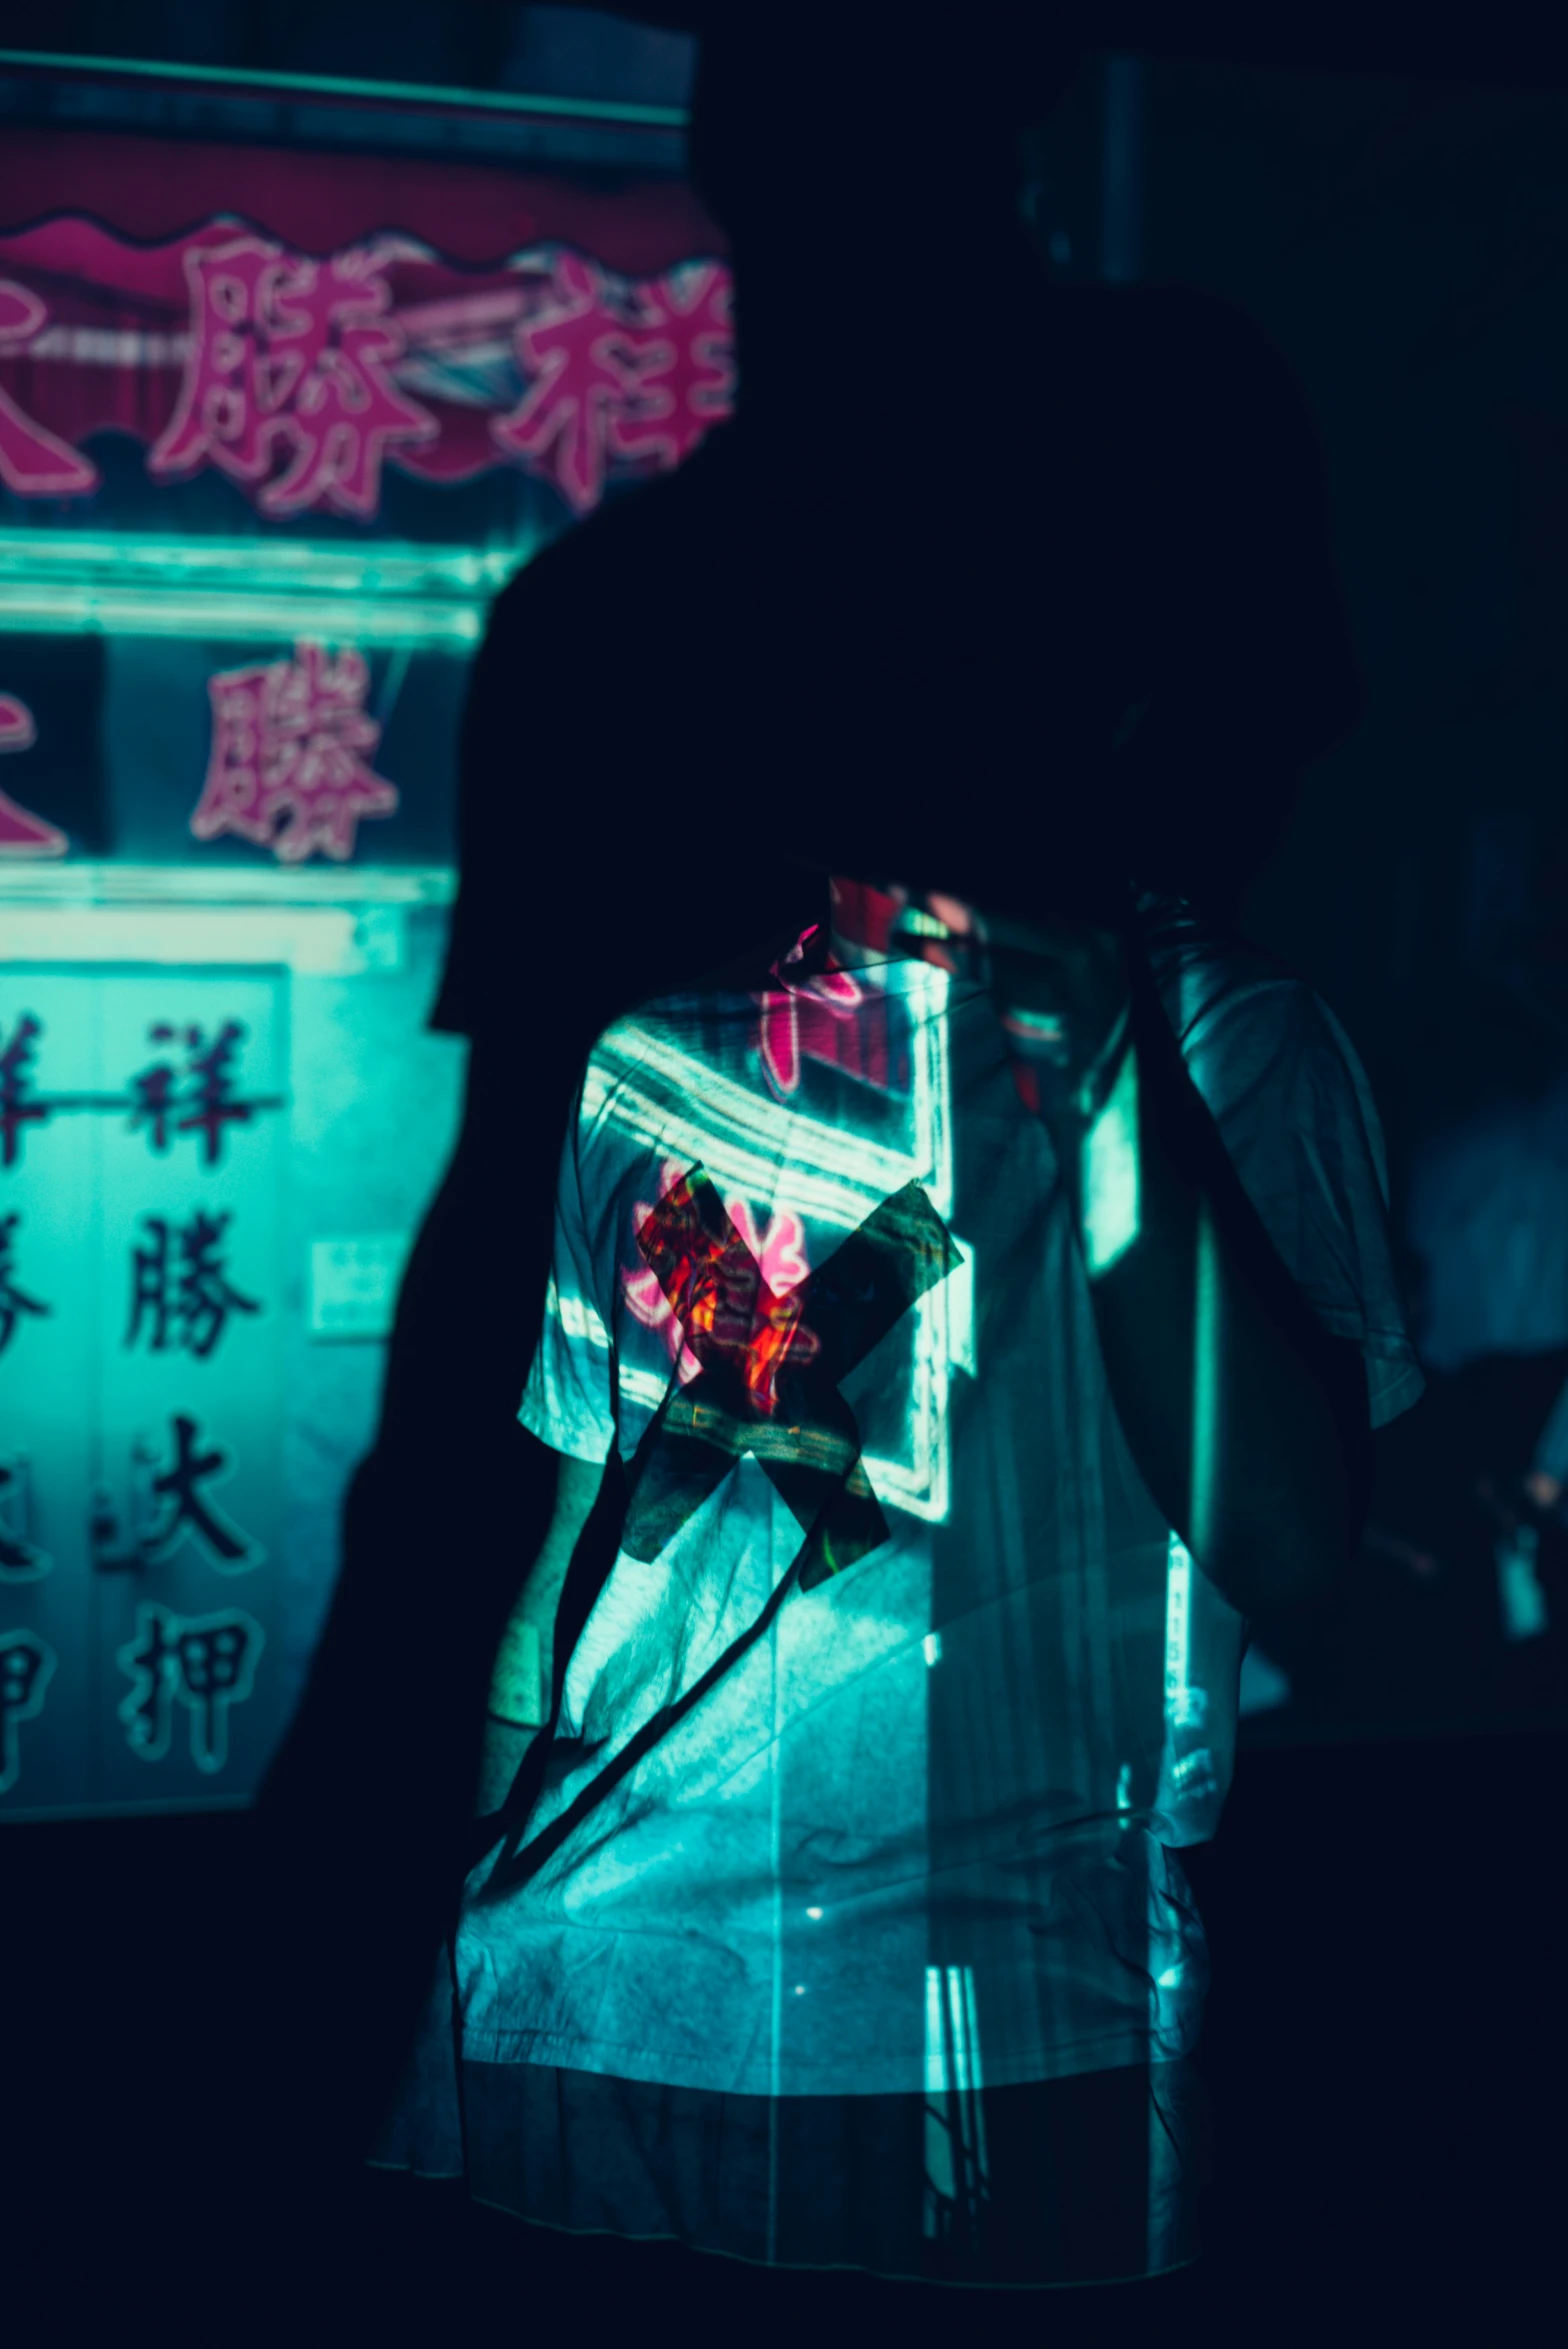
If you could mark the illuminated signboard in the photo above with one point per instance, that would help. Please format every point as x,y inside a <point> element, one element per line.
<point>275,427</point>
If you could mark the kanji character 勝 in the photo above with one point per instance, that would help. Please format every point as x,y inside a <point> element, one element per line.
<point>191,1513</point>
<point>33,461</point>
<point>26,1668</point>
<point>14,1301</point>
<point>21,832</point>
<point>289,765</point>
<point>207,1662</point>
<point>209,1101</point>
<point>20,1560</point>
<point>630,371</point>
<point>17,1110</point>
<point>178,1280</point>
<point>288,352</point>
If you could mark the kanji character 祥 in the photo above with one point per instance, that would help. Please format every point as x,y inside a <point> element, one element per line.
<point>210,1104</point>
<point>616,370</point>
<point>18,1109</point>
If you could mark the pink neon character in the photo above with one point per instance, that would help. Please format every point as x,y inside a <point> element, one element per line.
<point>780,1256</point>
<point>797,1020</point>
<point>33,462</point>
<point>289,747</point>
<point>684,354</point>
<point>22,833</point>
<point>576,350</point>
<point>632,372</point>
<point>290,353</point>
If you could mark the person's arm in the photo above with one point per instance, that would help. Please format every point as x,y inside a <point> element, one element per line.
<point>1247,1420</point>
<point>520,1684</point>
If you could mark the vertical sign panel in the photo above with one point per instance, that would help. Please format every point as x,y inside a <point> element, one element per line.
<point>50,1080</point>
<point>142,1154</point>
<point>188,1576</point>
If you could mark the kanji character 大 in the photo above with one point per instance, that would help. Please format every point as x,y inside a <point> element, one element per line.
<point>33,461</point>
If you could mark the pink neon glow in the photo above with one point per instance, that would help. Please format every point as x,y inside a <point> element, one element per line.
<point>799,1020</point>
<point>289,746</point>
<point>33,461</point>
<point>684,359</point>
<point>22,833</point>
<point>290,352</point>
<point>302,378</point>
<point>636,374</point>
<point>780,1256</point>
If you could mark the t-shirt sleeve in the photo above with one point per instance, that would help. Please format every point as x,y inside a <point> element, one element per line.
<point>569,1396</point>
<point>1295,1111</point>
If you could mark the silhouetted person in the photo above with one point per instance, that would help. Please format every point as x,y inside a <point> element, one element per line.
<point>1007,592</point>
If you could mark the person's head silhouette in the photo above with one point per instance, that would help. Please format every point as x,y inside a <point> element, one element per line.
<point>1048,567</point>
<point>866,172</point>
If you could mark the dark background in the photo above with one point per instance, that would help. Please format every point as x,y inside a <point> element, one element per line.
<point>1381,1904</point>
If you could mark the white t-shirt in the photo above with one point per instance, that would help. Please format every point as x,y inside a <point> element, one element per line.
<point>918,1833</point>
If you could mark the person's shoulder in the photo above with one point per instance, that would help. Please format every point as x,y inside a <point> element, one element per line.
<point>1202,965</point>
<point>1243,1016</point>
<point>709,1016</point>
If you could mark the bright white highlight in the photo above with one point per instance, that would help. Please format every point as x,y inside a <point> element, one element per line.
<point>1110,1174</point>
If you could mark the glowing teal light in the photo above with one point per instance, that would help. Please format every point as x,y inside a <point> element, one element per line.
<point>316,85</point>
<point>422,628</point>
<point>1205,1382</point>
<point>87,885</point>
<point>1178,1629</point>
<point>1520,1595</point>
<point>1110,1174</point>
<point>126,583</point>
<point>648,1086</point>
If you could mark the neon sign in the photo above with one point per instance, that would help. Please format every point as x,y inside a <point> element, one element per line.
<point>288,763</point>
<point>289,351</point>
<point>21,832</point>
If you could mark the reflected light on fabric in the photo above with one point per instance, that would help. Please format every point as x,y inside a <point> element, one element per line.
<point>1110,1175</point>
